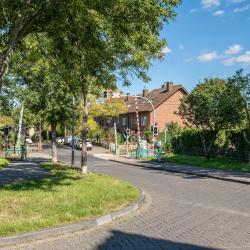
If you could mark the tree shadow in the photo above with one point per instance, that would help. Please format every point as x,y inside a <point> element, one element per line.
<point>127,241</point>
<point>35,178</point>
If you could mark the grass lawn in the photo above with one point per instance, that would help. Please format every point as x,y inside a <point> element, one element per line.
<point>67,197</point>
<point>216,163</point>
<point>3,162</point>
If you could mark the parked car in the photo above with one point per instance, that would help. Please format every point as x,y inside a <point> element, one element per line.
<point>76,139</point>
<point>28,141</point>
<point>67,140</point>
<point>60,140</point>
<point>89,144</point>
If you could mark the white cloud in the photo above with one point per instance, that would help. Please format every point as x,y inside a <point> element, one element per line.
<point>192,11</point>
<point>234,49</point>
<point>190,59</point>
<point>210,3</point>
<point>181,47</point>
<point>166,50</point>
<point>219,13</point>
<point>242,9</point>
<point>245,59</point>
<point>207,57</point>
<point>229,61</point>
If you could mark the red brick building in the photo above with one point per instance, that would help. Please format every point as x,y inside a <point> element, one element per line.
<point>166,101</point>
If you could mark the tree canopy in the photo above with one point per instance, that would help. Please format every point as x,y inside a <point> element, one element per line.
<point>212,106</point>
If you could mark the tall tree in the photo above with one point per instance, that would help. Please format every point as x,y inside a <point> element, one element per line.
<point>40,86</point>
<point>242,82</point>
<point>211,107</point>
<point>101,40</point>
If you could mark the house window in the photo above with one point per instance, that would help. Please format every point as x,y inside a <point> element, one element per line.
<point>117,120</point>
<point>133,119</point>
<point>143,120</point>
<point>124,121</point>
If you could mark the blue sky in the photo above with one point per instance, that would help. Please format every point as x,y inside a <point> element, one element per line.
<point>210,38</point>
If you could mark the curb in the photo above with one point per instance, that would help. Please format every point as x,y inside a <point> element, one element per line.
<point>185,172</point>
<point>70,228</point>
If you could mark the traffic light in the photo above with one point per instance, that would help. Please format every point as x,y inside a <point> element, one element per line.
<point>105,94</point>
<point>155,132</point>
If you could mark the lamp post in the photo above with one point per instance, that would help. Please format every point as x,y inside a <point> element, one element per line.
<point>73,133</point>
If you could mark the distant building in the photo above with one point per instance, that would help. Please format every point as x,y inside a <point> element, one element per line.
<point>166,101</point>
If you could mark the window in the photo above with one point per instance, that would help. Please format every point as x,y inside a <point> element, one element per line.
<point>124,121</point>
<point>144,120</point>
<point>133,119</point>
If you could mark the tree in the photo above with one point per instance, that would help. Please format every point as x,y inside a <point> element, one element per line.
<point>101,40</point>
<point>17,20</point>
<point>40,87</point>
<point>242,83</point>
<point>211,107</point>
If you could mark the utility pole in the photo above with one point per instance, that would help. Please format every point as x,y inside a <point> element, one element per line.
<point>116,141</point>
<point>73,133</point>
<point>20,127</point>
<point>40,135</point>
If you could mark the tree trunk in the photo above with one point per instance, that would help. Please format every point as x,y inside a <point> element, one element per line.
<point>84,167</point>
<point>53,141</point>
<point>65,131</point>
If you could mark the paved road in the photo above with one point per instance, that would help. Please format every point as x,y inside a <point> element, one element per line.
<point>185,212</point>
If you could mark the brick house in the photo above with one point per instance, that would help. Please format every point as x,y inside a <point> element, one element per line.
<point>166,101</point>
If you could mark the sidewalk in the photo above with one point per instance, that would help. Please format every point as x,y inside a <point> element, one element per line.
<point>232,176</point>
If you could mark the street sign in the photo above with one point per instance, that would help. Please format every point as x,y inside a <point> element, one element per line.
<point>127,131</point>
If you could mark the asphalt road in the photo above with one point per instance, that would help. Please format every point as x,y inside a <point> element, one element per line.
<point>183,212</point>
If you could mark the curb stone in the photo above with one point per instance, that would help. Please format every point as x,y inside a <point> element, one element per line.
<point>222,178</point>
<point>73,227</point>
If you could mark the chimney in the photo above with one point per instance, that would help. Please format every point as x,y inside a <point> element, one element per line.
<point>145,93</point>
<point>169,86</point>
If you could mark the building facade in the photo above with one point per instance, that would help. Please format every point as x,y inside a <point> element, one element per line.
<point>166,102</point>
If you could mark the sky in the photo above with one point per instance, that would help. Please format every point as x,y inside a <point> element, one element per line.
<point>209,38</point>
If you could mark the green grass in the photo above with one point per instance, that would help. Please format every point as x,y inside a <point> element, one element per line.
<point>3,163</point>
<point>67,197</point>
<point>216,163</point>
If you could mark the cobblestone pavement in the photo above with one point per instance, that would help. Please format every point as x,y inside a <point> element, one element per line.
<point>185,212</point>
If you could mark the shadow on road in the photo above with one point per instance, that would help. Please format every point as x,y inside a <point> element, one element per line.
<point>127,241</point>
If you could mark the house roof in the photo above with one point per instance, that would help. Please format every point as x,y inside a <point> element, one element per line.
<point>156,96</point>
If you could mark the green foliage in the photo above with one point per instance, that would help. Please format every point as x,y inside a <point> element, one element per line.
<point>211,107</point>
<point>3,163</point>
<point>148,134</point>
<point>216,163</point>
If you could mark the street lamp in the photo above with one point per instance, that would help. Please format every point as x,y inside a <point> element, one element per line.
<point>73,133</point>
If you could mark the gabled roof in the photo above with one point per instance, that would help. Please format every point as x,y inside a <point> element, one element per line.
<point>156,96</point>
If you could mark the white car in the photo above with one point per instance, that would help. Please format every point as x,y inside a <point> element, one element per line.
<point>67,140</point>
<point>60,140</point>
<point>28,141</point>
<point>89,144</point>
